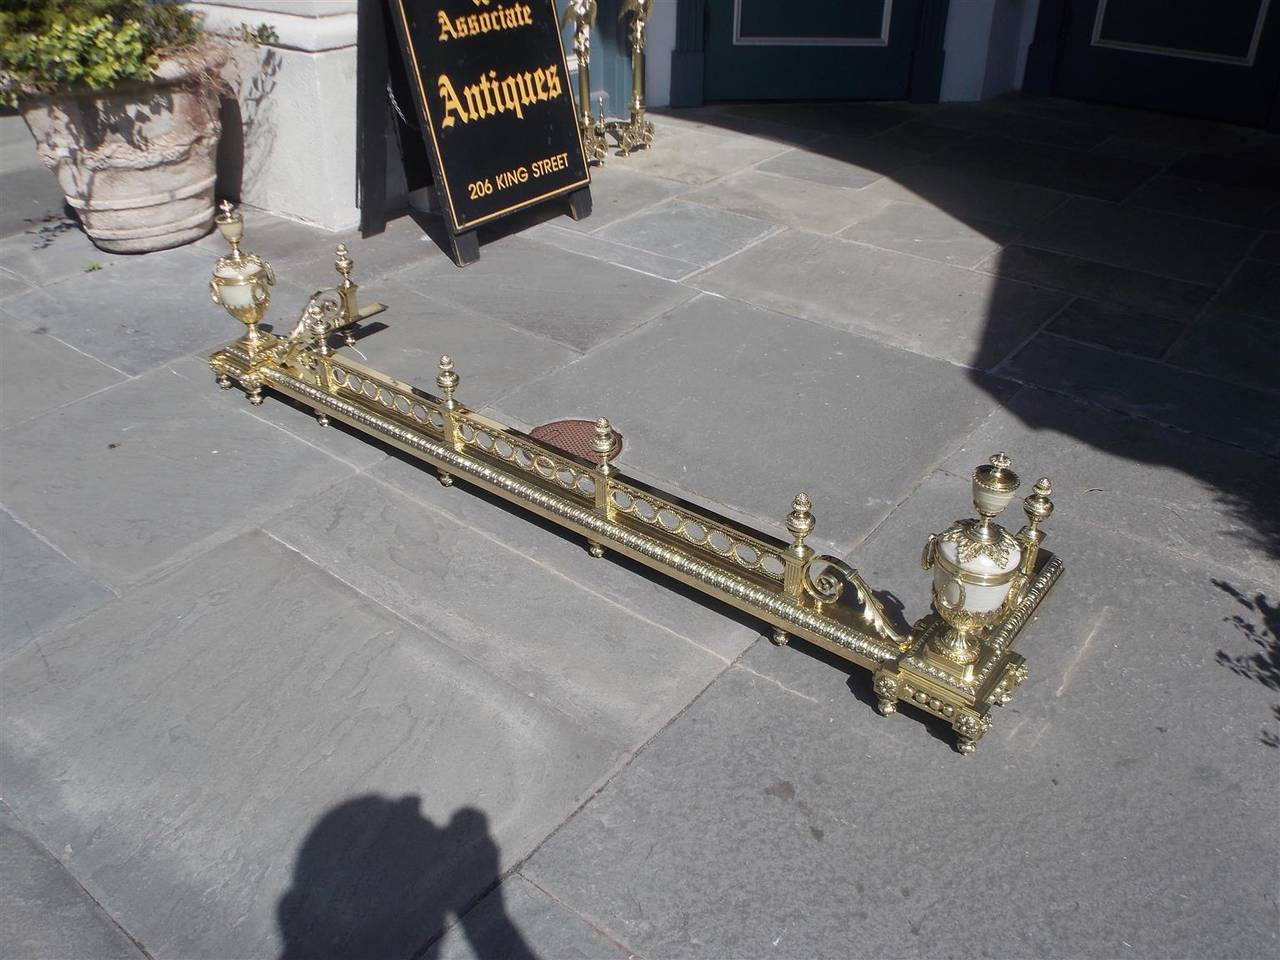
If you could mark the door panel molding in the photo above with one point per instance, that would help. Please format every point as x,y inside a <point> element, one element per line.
<point>1097,40</point>
<point>739,40</point>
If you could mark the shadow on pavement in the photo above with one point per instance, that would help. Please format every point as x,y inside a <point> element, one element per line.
<point>1145,329</point>
<point>377,880</point>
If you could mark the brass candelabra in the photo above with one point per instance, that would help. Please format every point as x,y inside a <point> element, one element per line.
<point>636,132</point>
<point>956,663</point>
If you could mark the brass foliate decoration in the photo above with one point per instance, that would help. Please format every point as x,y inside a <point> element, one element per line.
<point>956,663</point>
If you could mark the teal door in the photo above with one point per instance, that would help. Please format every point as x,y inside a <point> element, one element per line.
<point>1215,58</point>
<point>809,49</point>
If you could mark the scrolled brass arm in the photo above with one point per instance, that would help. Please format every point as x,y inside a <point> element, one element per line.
<point>825,580</point>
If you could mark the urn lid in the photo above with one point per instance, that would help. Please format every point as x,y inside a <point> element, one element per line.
<point>979,548</point>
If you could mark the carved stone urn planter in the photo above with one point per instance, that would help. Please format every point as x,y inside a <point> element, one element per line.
<point>137,163</point>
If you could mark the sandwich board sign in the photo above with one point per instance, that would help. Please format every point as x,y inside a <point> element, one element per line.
<point>495,108</point>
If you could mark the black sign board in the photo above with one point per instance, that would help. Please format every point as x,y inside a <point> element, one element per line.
<point>494,99</point>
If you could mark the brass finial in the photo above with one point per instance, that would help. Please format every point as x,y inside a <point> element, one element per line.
<point>343,264</point>
<point>231,225</point>
<point>319,328</point>
<point>447,381</point>
<point>800,520</point>
<point>1038,507</point>
<point>603,443</point>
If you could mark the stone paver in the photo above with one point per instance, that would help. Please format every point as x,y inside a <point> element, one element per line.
<point>575,300</point>
<point>246,758</point>
<point>754,449</point>
<point>41,588</point>
<point>659,600</point>
<point>580,654</point>
<point>39,372</point>
<point>1210,408</point>
<point>688,231</point>
<point>955,314</point>
<point>154,471</point>
<point>47,915</point>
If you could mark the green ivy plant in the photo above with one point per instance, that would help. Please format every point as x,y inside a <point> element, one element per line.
<point>49,46</point>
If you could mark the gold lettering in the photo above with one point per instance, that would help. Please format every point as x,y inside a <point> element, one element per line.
<point>486,22</point>
<point>473,24</point>
<point>451,105</point>
<point>446,28</point>
<point>491,94</point>
<point>525,84</point>
<point>511,96</point>
<point>475,103</point>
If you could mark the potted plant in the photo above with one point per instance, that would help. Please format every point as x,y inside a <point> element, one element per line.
<point>122,97</point>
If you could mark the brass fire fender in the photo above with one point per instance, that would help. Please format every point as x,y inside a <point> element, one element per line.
<point>820,599</point>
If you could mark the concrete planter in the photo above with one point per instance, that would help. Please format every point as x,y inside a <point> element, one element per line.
<point>138,164</point>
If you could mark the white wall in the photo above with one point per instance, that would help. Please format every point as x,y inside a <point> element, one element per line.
<point>297,100</point>
<point>986,47</point>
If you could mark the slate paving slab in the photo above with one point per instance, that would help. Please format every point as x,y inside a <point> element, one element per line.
<point>54,248</point>
<point>139,314</point>
<point>492,357</point>
<point>991,119</point>
<point>1209,408</point>
<point>1224,202</point>
<point>1056,168</point>
<point>154,471</point>
<point>925,231</point>
<point>44,913</point>
<point>11,284</point>
<point>39,373</point>
<point>702,155</point>
<point>517,920</point>
<point>752,439</point>
<point>1173,299</point>
<point>688,231</point>
<point>39,588</point>
<point>387,780</point>
<point>1253,289</point>
<point>1169,246</point>
<point>955,314</point>
<point>1117,327</point>
<point>564,647</point>
<point>611,251</point>
<point>1235,347</point>
<point>538,288</point>
<point>1189,495</point>
<point>853,828</point>
<point>659,600</point>
<point>789,201</point>
<point>842,161</point>
<point>969,196</point>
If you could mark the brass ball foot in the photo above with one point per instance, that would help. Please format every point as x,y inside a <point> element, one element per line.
<point>888,707</point>
<point>779,637</point>
<point>965,746</point>
<point>445,479</point>
<point>255,396</point>
<point>322,419</point>
<point>224,382</point>
<point>596,550</point>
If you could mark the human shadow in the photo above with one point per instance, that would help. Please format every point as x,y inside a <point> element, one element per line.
<point>376,880</point>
